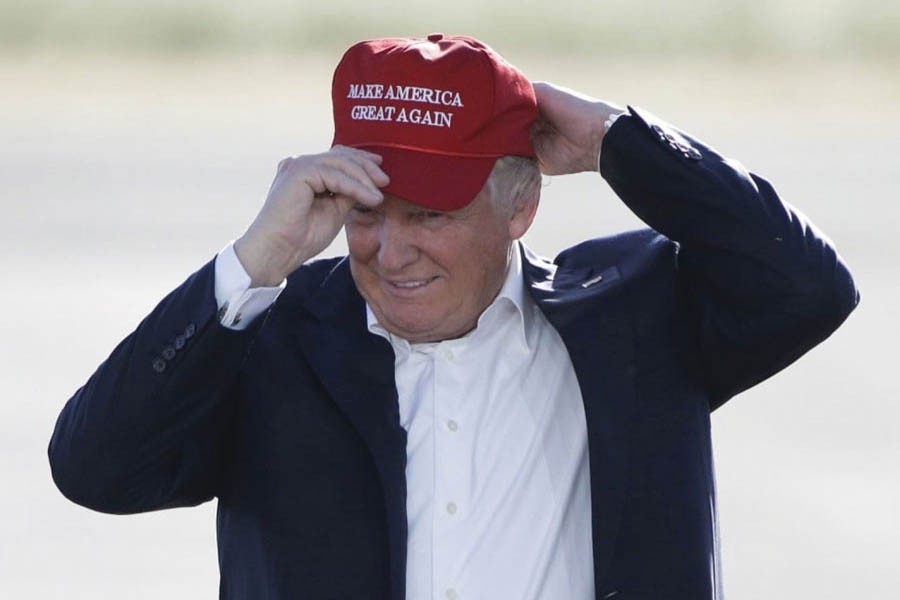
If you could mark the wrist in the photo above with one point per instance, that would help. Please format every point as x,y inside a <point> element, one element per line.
<point>596,123</point>
<point>611,113</point>
<point>265,265</point>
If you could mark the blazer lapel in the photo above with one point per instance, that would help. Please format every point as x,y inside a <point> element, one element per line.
<point>357,369</point>
<point>589,309</point>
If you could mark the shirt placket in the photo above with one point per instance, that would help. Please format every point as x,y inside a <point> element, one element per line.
<point>452,449</point>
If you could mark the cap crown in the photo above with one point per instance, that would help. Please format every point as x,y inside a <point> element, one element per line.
<point>451,96</point>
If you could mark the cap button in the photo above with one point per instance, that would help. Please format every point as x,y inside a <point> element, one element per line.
<point>435,37</point>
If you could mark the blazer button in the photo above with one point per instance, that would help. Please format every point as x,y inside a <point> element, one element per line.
<point>190,330</point>
<point>168,353</point>
<point>159,365</point>
<point>179,342</point>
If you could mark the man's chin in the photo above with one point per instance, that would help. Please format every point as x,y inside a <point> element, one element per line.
<point>422,330</point>
<point>413,331</point>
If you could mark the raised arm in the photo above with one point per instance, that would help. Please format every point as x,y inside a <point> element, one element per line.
<point>765,284</point>
<point>149,429</point>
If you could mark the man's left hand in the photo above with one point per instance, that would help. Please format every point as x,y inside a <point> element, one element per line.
<point>570,128</point>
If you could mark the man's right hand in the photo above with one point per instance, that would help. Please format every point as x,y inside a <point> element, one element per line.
<point>305,209</point>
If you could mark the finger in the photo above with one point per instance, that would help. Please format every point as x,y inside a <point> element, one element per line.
<point>368,161</point>
<point>283,165</point>
<point>364,171</point>
<point>547,96</point>
<point>340,183</point>
<point>376,158</point>
<point>376,174</point>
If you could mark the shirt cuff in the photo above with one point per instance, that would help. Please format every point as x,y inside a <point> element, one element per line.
<point>238,303</point>
<point>606,125</point>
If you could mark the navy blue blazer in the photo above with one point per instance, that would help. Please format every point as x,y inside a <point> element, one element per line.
<point>293,424</point>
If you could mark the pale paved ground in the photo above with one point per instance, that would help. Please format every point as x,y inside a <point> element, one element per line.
<point>119,179</point>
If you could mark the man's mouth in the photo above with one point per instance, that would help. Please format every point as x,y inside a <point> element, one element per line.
<point>412,284</point>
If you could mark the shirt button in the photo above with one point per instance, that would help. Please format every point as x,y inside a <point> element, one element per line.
<point>452,595</point>
<point>451,508</point>
<point>452,425</point>
<point>448,353</point>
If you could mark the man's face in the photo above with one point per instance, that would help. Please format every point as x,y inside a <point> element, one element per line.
<point>428,275</point>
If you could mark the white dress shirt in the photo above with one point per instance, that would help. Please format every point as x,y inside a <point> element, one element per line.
<point>498,490</point>
<point>238,303</point>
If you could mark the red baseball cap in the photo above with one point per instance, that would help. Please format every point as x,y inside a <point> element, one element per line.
<point>439,110</point>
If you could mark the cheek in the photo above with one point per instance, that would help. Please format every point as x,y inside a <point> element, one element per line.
<point>360,242</point>
<point>480,266</point>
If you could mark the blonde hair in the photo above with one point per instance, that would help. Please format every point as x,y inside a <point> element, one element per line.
<point>514,181</point>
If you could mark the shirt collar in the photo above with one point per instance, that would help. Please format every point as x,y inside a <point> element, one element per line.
<point>512,297</point>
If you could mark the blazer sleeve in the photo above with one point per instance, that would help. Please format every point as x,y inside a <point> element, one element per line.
<point>764,284</point>
<point>147,430</point>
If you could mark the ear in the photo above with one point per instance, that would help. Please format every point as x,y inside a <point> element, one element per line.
<point>523,214</point>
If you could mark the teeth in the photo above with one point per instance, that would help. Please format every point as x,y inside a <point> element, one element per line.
<point>410,284</point>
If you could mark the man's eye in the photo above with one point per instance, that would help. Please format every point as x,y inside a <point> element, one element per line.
<point>362,215</point>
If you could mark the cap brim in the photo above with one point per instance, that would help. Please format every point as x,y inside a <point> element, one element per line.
<point>435,181</point>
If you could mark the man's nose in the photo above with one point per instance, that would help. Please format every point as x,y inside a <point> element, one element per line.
<point>397,248</point>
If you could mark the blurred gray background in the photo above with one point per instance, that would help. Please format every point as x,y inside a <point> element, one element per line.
<point>137,139</point>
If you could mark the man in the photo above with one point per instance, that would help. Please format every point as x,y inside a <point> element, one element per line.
<point>443,414</point>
